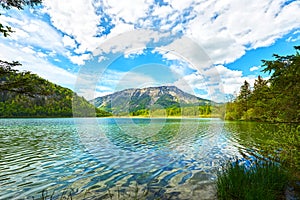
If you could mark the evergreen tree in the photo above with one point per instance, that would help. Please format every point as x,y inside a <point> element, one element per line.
<point>243,99</point>
<point>277,99</point>
<point>259,99</point>
<point>285,86</point>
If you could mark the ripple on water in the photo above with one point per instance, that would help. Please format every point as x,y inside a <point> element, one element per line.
<point>170,154</point>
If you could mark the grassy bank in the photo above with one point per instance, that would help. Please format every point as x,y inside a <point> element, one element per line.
<point>263,180</point>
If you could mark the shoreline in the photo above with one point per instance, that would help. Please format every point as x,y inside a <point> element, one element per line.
<point>137,117</point>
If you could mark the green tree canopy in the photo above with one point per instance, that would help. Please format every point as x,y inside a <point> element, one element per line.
<point>11,79</point>
<point>276,99</point>
<point>284,85</point>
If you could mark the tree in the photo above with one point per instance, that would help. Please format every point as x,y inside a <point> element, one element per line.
<point>19,4</point>
<point>245,92</point>
<point>243,99</point>
<point>260,99</point>
<point>285,86</point>
<point>11,79</point>
<point>277,99</point>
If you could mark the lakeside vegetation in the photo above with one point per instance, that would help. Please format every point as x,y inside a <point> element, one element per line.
<point>274,100</point>
<point>259,180</point>
<point>177,111</point>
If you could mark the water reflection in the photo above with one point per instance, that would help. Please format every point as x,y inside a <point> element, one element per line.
<point>172,156</point>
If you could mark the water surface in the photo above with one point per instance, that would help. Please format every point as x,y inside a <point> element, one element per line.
<point>93,156</point>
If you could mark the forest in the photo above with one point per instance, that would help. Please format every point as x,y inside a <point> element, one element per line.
<point>24,94</point>
<point>274,100</point>
<point>175,111</point>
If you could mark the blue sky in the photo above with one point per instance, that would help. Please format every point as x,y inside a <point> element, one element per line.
<point>204,47</point>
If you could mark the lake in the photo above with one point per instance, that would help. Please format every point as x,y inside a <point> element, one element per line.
<point>95,157</point>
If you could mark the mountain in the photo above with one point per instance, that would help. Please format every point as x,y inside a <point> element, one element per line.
<point>28,95</point>
<point>133,100</point>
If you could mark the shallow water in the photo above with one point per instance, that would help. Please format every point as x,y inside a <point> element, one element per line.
<point>90,157</point>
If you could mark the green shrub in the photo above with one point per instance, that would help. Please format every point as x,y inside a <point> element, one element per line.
<point>259,181</point>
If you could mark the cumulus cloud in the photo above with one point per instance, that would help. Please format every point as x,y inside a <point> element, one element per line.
<point>227,28</point>
<point>33,63</point>
<point>187,50</point>
<point>254,68</point>
<point>68,41</point>
<point>79,59</point>
<point>216,81</point>
<point>205,34</point>
<point>129,41</point>
<point>33,32</point>
<point>77,19</point>
<point>129,11</point>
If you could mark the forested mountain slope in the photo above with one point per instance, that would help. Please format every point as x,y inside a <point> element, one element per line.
<point>23,94</point>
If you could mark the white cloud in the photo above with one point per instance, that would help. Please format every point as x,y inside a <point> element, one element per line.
<point>294,39</point>
<point>216,81</point>
<point>132,41</point>
<point>68,41</point>
<point>102,58</point>
<point>214,32</point>
<point>232,80</point>
<point>227,28</point>
<point>180,5</point>
<point>191,82</point>
<point>33,32</point>
<point>35,64</point>
<point>186,50</point>
<point>41,54</point>
<point>133,52</point>
<point>77,19</point>
<point>254,68</point>
<point>178,69</point>
<point>28,50</point>
<point>163,12</point>
<point>79,59</point>
<point>224,29</point>
<point>130,11</point>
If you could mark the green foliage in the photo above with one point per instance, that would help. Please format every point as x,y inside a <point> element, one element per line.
<point>26,83</point>
<point>283,142</point>
<point>142,112</point>
<point>174,111</point>
<point>277,99</point>
<point>244,96</point>
<point>167,101</point>
<point>139,103</point>
<point>102,113</point>
<point>259,181</point>
<point>23,94</point>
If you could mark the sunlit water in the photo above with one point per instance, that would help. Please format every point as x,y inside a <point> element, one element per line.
<point>94,157</point>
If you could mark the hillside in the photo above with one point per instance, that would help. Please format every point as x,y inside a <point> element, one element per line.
<point>140,101</point>
<point>23,94</point>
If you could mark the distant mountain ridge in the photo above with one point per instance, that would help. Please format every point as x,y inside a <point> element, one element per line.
<point>134,99</point>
